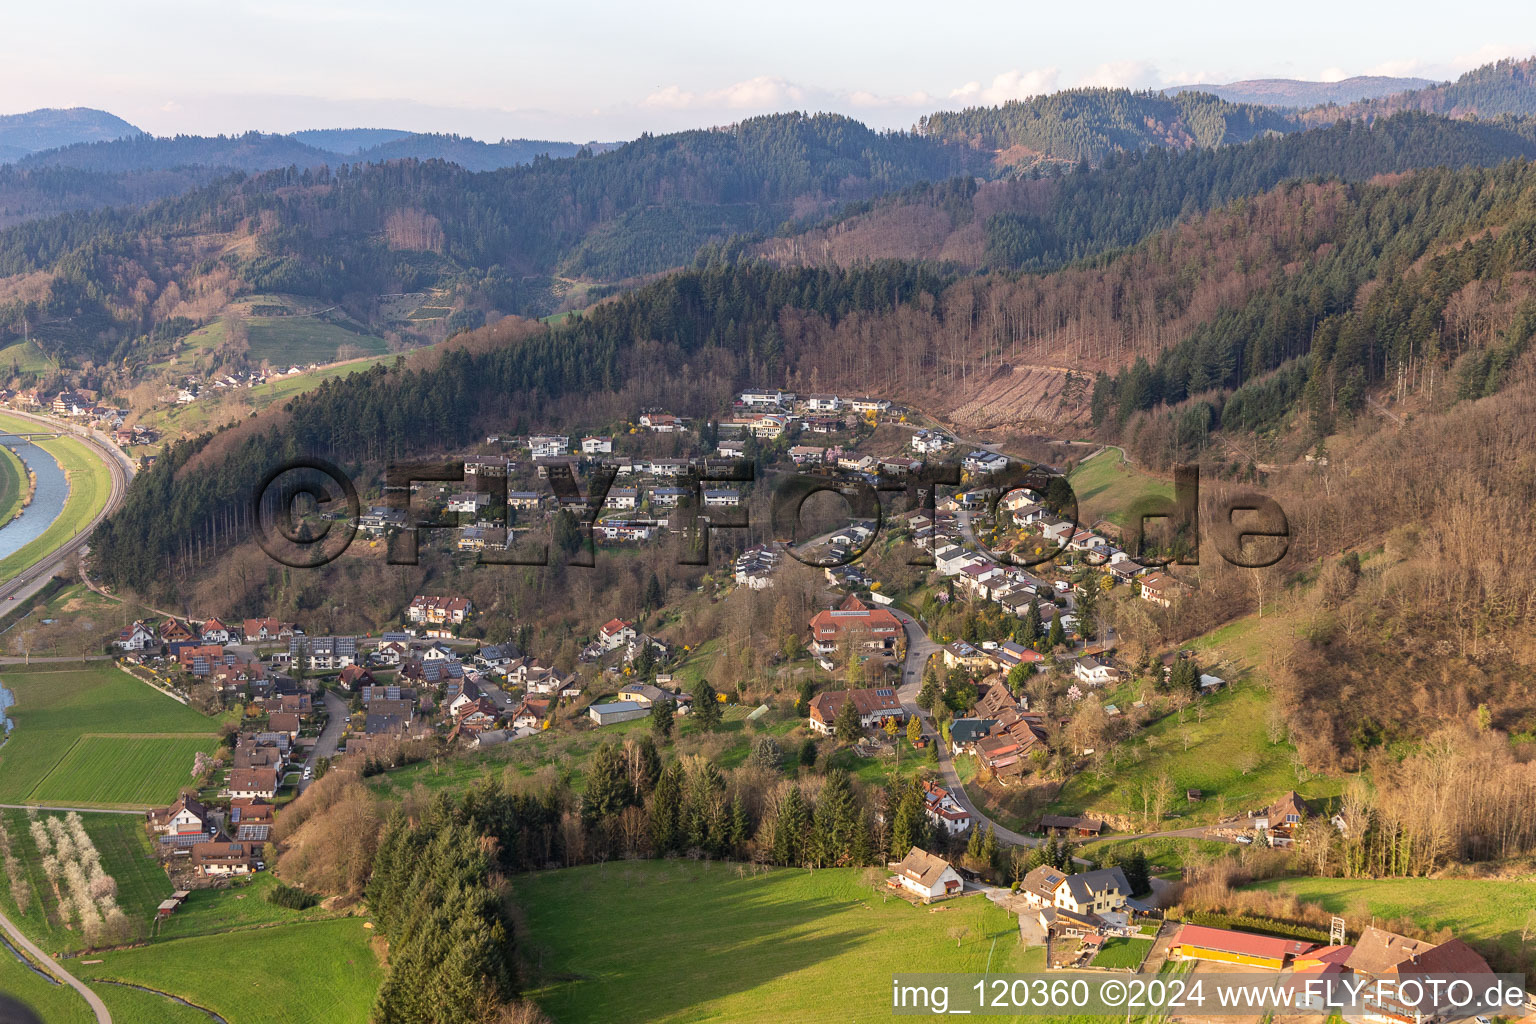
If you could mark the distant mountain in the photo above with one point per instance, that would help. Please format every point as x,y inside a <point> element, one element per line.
<point>472,154</point>
<point>251,152</point>
<point>254,152</point>
<point>347,141</point>
<point>51,128</point>
<point>1289,92</point>
<point>1505,87</point>
<point>1089,124</point>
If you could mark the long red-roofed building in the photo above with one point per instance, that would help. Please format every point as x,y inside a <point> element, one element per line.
<point>874,629</point>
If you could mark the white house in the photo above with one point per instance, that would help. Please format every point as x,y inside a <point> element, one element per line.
<point>135,638</point>
<point>1091,892</point>
<point>1093,671</point>
<point>823,403</point>
<point>596,445</point>
<point>615,633</point>
<point>944,811</point>
<point>548,446</point>
<point>927,876</point>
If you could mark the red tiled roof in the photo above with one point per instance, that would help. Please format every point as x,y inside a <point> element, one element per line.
<point>1242,943</point>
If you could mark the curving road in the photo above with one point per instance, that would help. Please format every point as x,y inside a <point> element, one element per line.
<point>33,578</point>
<point>21,942</point>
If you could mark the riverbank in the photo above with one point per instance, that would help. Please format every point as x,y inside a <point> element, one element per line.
<point>16,485</point>
<point>90,486</point>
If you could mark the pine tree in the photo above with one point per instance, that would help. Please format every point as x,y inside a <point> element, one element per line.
<point>741,824</point>
<point>930,695</point>
<point>803,702</point>
<point>989,846</point>
<point>706,706</point>
<point>666,809</point>
<point>662,719</point>
<point>1058,635</point>
<point>648,770</point>
<point>808,753</point>
<point>1031,624</point>
<point>790,829</point>
<point>914,730</point>
<point>846,725</point>
<point>837,814</point>
<point>608,788</point>
<point>973,847</point>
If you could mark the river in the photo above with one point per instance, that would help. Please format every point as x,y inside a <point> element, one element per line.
<point>47,501</point>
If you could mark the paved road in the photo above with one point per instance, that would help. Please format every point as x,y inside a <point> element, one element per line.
<point>33,578</point>
<point>22,942</point>
<point>919,649</point>
<point>330,737</point>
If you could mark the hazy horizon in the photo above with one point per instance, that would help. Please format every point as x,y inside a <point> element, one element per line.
<point>276,67</point>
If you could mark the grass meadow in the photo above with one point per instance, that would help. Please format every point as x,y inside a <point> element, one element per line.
<point>316,973</point>
<point>53,1003</point>
<point>1483,911</point>
<point>58,706</point>
<point>790,946</point>
<point>1107,486</point>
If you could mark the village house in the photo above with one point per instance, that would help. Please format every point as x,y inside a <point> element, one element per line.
<point>872,629</point>
<point>265,630</point>
<point>1094,672</point>
<point>253,782</point>
<point>532,713</point>
<point>438,611</point>
<point>1161,589</point>
<point>615,633</point>
<point>186,817</point>
<point>1089,892</point>
<point>944,810</point>
<point>215,860</point>
<point>251,819</point>
<point>136,637</point>
<point>874,706</point>
<point>596,445</point>
<point>213,631</point>
<point>661,423</point>
<point>927,876</point>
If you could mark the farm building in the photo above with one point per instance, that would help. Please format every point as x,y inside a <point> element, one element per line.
<point>1197,942</point>
<point>617,711</point>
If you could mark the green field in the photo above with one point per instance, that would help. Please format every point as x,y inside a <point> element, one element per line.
<point>126,855</point>
<point>1210,755</point>
<point>1485,912</point>
<point>319,973</point>
<point>782,945</point>
<point>242,905</point>
<point>131,1006</point>
<point>1122,953</point>
<point>57,705</point>
<point>305,339</point>
<point>1107,486</point>
<point>55,1004</point>
<point>90,483</point>
<point>122,770</point>
<point>26,357</point>
<point>13,484</point>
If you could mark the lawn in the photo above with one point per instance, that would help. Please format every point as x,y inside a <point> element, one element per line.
<point>1221,748</point>
<point>90,482</point>
<point>146,770</point>
<point>1482,911</point>
<point>317,973</point>
<point>57,705</point>
<point>24,356</point>
<point>13,484</point>
<point>305,339</point>
<point>1122,953</point>
<point>133,1006</point>
<point>734,945</point>
<point>242,905</point>
<point>1107,486</point>
<point>55,1004</point>
<point>125,855</point>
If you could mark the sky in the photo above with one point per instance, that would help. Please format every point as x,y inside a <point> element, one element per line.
<point>608,70</point>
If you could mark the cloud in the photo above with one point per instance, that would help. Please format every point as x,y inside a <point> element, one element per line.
<point>170,107</point>
<point>762,92</point>
<point>1010,85</point>
<point>1123,74</point>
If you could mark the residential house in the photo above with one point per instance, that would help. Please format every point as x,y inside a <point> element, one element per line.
<point>250,819</point>
<point>136,637</point>
<point>872,629</point>
<point>253,782</point>
<point>215,632</point>
<point>1060,825</point>
<point>961,654</point>
<point>1094,672</point>
<point>615,633</point>
<point>439,611</point>
<point>186,817</point>
<point>927,876</point>
<point>874,706</point>
<point>224,859</point>
<point>532,713</point>
<point>1161,589</point>
<point>944,810</point>
<point>661,423</point>
<point>622,498</point>
<point>323,653</point>
<point>265,630</point>
<point>596,445</point>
